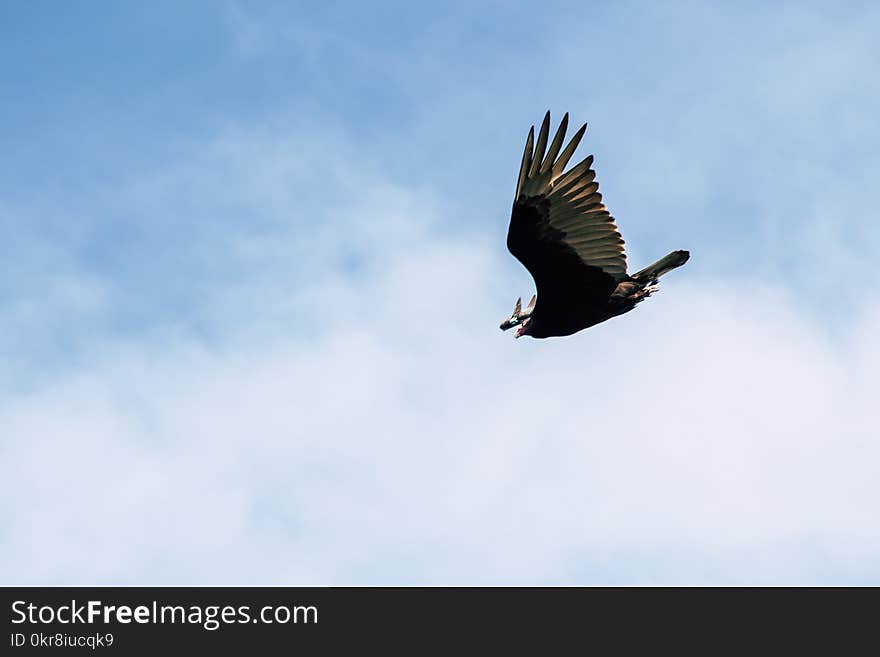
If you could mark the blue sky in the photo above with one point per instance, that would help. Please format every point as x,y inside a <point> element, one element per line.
<point>254,267</point>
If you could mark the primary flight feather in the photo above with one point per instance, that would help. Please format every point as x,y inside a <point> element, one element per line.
<point>564,235</point>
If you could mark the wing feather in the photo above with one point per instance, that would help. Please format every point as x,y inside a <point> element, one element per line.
<point>540,146</point>
<point>526,162</point>
<point>556,145</point>
<point>563,159</point>
<point>573,187</point>
<point>575,172</point>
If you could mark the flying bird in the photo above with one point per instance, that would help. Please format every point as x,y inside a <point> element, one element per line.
<point>563,234</point>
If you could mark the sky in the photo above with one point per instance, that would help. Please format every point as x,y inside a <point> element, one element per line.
<point>254,266</point>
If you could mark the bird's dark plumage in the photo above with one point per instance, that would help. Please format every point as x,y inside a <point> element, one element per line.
<point>564,235</point>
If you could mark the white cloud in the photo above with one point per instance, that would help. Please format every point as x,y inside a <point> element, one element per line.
<point>712,435</point>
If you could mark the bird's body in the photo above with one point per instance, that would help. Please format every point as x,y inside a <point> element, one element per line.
<point>566,238</point>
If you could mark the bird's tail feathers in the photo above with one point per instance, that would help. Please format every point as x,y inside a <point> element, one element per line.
<point>662,266</point>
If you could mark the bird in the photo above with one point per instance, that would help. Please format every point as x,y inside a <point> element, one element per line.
<point>565,237</point>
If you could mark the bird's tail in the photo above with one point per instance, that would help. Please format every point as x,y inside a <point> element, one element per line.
<point>663,265</point>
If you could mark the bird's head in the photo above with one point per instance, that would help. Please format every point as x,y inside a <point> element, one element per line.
<point>525,328</point>
<point>509,323</point>
<point>518,316</point>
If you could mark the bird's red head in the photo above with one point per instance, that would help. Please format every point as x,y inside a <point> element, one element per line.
<point>524,328</point>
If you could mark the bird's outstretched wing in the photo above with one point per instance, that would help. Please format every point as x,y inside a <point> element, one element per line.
<point>559,228</point>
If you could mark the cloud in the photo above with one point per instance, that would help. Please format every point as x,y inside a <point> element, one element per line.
<point>375,427</point>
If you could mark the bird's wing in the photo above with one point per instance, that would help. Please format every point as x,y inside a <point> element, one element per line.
<point>559,228</point>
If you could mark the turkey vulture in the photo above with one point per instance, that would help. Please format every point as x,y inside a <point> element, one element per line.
<point>563,234</point>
